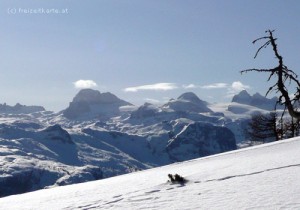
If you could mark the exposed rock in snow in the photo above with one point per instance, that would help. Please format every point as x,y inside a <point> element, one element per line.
<point>200,139</point>
<point>86,173</point>
<point>20,174</point>
<point>20,181</point>
<point>56,133</point>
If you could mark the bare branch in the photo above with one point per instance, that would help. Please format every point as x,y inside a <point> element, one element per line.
<point>263,46</point>
<point>264,37</point>
<point>283,75</point>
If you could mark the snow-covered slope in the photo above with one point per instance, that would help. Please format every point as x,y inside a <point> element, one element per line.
<point>261,177</point>
<point>34,156</point>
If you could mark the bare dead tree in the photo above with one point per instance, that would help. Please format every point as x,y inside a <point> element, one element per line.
<point>283,74</point>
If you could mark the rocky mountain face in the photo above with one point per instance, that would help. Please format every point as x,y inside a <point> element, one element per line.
<point>94,139</point>
<point>90,103</point>
<point>200,139</point>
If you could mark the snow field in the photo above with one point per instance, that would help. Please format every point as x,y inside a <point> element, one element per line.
<point>261,177</point>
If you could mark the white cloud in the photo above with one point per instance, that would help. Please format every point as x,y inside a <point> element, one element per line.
<point>82,84</point>
<point>219,85</point>
<point>157,87</point>
<point>190,86</point>
<point>215,86</point>
<point>238,86</point>
<point>235,88</point>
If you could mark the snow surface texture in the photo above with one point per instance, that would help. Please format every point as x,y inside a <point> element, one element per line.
<point>261,177</point>
<point>42,149</point>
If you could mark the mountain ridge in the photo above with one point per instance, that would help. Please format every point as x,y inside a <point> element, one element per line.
<point>256,100</point>
<point>105,141</point>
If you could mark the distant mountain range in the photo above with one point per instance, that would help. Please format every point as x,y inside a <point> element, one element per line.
<point>95,138</point>
<point>20,109</point>
<point>255,100</point>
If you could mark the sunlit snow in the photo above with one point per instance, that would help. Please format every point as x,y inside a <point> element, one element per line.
<point>261,177</point>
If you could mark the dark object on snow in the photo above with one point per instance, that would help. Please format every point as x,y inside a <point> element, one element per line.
<point>176,178</point>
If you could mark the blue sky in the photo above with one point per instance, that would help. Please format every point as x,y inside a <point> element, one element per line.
<point>140,50</point>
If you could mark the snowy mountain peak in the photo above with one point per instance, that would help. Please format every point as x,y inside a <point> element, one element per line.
<point>190,96</point>
<point>188,102</point>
